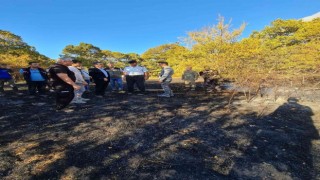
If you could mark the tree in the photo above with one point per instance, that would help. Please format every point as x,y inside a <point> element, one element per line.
<point>17,53</point>
<point>85,52</point>
<point>172,53</point>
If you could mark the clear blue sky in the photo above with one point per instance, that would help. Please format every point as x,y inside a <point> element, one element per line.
<point>134,25</point>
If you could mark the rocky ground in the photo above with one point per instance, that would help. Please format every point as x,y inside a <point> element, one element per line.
<point>194,135</point>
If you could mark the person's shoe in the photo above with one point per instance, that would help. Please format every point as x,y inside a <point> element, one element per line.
<point>140,94</point>
<point>79,101</point>
<point>164,95</point>
<point>129,93</point>
<point>65,110</point>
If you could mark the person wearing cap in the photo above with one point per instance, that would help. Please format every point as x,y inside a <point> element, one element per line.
<point>75,68</point>
<point>135,74</point>
<point>35,77</point>
<point>63,82</point>
<point>165,79</point>
<point>100,77</point>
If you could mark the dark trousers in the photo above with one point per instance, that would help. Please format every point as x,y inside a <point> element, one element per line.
<point>64,95</point>
<point>101,87</point>
<point>33,86</point>
<point>139,80</point>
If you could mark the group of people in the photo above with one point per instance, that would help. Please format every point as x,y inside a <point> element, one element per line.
<point>70,80</point>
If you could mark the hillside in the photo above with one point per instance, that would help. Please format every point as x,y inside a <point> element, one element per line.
<point>312,17</point>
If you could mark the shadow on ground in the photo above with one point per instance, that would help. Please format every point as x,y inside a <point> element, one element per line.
<point>191,136</point>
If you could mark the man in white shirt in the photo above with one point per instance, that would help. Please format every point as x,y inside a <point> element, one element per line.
<point>79,81</point>
<point>135,74</point>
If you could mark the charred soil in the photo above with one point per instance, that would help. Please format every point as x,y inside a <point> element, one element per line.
<point>194,135</point>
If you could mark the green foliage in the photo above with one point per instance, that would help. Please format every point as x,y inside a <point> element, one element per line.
<point>88,53</point>
<point>174,54</point>
<point>16,53</point>
<point>85,52</point>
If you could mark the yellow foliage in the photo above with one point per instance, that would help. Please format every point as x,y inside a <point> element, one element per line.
<point>285,49</point>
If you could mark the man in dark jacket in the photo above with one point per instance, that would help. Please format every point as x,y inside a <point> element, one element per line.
<point>5,77</point>
<point>63,82</point>
<point>35,77</point>
<point>100,77</point>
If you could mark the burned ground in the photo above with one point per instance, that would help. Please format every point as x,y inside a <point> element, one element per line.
<point>191,136</point>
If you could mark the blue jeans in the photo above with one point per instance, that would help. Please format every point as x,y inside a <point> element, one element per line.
<point>87,87</point>
<point>118,81</point>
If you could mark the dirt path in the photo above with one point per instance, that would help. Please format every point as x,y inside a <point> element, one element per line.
<point>191,136</point>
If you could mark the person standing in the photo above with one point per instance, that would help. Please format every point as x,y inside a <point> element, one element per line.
<point>79,81</point>
<point>135,74</point>
<point>115,77</point>
<point>63,82</point>
<point>165,79</point>
<point>5,77</point>
<point>211,79</point>
<point>86,77</point>
<point>190,77</point>
<point>35,77</point>
<point>100,77</point>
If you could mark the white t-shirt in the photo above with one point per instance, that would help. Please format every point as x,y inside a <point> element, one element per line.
<point>135,71</point>
<point>77,73</point>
